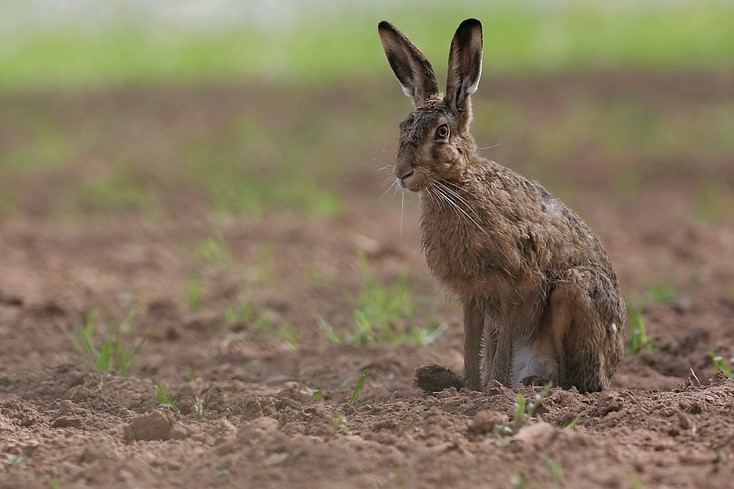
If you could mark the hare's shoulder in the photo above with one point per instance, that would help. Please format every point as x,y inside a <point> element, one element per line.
<point>504,192</point>
<point>544,228</point>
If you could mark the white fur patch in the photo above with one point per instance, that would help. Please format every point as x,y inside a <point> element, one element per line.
<point>473,87</point>
<point>532,360</point>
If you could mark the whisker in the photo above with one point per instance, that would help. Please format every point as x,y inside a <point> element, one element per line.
<point>492,146</point>
<point>395,188</point>
<point>385,182</point>
<point>446,183</point>
<point>383,168</point>
<point>435,198</point>
<point>461,199</point>
<point>402,208</point>
<point>439,200</point>
<point>452,204</point>
<point>458,208</point>
<point>392,185</point>
<point>458,187</point>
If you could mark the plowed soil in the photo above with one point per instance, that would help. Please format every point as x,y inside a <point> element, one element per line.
<point>263,403</point>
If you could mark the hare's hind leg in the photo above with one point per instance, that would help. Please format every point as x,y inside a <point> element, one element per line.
<point>587,321</point>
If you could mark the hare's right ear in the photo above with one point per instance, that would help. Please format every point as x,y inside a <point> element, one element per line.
<point>410,65</point>
<point>465,64</point>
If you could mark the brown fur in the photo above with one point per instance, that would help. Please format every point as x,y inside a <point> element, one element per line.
<point>529,272</point>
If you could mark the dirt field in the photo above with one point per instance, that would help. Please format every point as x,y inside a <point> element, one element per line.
<point>230,303</point>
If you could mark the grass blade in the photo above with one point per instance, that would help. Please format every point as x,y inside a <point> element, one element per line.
<point>357,388</point>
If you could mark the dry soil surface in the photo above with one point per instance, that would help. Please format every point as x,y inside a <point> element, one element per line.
<point>260,399</point>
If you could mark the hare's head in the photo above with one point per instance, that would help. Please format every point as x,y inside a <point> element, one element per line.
<point>435,143</point>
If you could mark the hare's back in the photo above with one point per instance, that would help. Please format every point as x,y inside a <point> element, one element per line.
<point>546,231</point>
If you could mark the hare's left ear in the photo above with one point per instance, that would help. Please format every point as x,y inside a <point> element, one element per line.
<point>465,64</point>
<point>409,64</point>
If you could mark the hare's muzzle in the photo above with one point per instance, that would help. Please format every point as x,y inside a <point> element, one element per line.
<point>404,179</point>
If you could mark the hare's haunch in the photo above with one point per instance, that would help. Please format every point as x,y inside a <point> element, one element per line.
<point>540,297</point>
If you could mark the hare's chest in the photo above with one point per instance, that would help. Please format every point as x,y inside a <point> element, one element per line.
<point>463,262</point>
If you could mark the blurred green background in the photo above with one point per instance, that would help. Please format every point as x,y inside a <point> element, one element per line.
<point>239,107</point>
<point>82,42</point>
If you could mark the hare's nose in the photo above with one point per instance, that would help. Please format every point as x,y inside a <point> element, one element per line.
<point>402,179</point>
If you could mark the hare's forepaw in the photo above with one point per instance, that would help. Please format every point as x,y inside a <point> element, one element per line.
<point>435,378</point>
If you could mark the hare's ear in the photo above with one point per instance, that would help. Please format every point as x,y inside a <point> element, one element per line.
<point>410,65</point>
<point>465,63</point>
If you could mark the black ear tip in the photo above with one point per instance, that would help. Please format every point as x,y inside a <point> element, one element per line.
<point>385,26</point>
<point>470,23</point>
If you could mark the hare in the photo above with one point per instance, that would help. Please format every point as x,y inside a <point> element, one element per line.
<point>540,297</point>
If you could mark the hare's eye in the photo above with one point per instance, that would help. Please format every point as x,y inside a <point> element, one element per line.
<point>442,131</point>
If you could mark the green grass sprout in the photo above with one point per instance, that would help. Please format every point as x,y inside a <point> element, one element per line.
<point>162,397</point>
<point>354,397</point>
<point>382,314</point>
<point>101,345</point>
<point>638,339</point>
<point>721,364</point>
<point>198,407</point>
<point>555,469</point>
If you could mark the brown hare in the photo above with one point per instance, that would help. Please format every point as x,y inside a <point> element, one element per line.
<point>540,298</point>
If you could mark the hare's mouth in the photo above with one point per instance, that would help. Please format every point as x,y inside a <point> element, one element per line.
<point>410,181</point>
<point>403,180</point>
